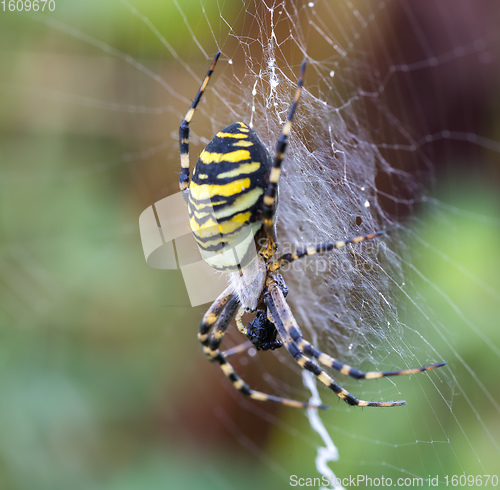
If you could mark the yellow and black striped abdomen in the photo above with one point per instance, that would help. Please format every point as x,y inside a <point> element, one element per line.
<point>225,196</point>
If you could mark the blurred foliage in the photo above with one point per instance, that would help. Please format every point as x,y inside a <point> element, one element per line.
<point>100,370</point>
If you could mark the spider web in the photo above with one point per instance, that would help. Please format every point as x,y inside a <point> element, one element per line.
<point>395,130</point>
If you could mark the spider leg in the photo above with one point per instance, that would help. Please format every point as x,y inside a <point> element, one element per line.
<point>217,319</point>
<point>239,323</point>
<point>184,128</point>
<point>307,348</point>
<point>245,345</point>
<point>318,249</point>
<point>285,324</point>
<point>329,361</point>
<point>269,207</point>
<point>211,316</point>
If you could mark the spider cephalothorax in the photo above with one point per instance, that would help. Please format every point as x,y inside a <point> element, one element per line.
<point>232,204</point>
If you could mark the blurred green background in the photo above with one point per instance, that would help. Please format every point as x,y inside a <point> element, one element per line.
<point>102,382</point>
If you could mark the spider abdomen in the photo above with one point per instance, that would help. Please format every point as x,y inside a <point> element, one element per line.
<point>225,196</point>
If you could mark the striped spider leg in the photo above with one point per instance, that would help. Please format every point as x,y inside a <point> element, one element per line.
<point>297,346</point>
<point>211,332</point>
<point>269,202</point>
<point>184,128</point>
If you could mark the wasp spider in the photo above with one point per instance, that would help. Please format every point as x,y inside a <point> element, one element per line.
<point>232,205</point>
